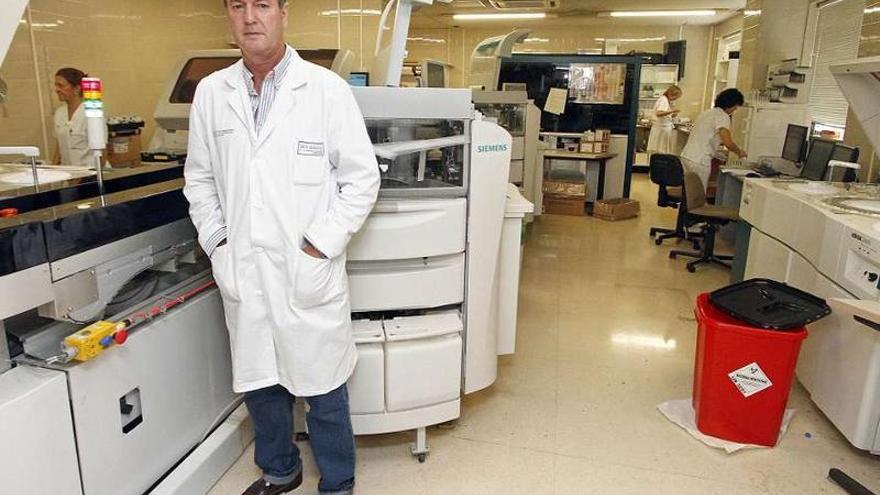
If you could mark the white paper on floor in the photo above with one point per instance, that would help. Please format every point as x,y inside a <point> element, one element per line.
<point>681,412</point>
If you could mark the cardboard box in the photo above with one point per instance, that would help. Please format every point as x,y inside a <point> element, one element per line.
<point>594,147</point>
<point>565,188</point>
<point>616,209</point>
<point>555,204</point>
<point>124,150</point>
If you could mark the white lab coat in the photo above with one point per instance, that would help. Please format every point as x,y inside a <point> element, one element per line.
<point>72,136</point>
<point>662,136</point>
<point>704,141</point>
<point>310,174</point>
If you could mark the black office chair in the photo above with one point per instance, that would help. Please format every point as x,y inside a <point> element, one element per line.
<point>668,173</point>
<point>698,210</point>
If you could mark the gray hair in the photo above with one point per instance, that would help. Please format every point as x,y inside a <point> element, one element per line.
<point>281,3</point>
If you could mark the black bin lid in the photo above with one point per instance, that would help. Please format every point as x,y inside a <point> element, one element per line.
<point>769,304</point>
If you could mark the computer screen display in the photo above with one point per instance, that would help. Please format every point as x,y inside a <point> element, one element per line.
<point>359,79</point>
<point>193,72</point>
<point>435,76</point>
<point>795,143</point>
<point>817,161</point>
<point>844,153</point>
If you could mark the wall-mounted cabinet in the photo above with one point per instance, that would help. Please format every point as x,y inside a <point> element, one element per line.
<point>726,63</point>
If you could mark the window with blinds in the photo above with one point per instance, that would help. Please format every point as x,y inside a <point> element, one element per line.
<point>837,39</point>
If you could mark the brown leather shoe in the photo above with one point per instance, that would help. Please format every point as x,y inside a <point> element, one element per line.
<point>263,487</point>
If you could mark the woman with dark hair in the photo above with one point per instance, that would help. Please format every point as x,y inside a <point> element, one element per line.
<point>711,130</point>
<point>70,120</point>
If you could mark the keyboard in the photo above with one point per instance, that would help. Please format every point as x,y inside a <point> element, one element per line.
<point>766,170</point>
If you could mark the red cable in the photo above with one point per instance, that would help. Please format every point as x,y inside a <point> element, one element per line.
<point>136,318</point>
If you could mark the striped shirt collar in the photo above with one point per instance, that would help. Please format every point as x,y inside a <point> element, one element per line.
<point>262,102</point>
<point>276,75</point>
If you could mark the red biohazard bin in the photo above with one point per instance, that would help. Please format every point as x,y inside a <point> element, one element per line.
<point>742,376</point>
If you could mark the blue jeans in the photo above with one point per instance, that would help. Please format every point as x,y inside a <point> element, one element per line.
<point>330,434</point>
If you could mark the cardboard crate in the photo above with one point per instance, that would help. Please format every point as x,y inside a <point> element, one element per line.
<point>565,188</point>
<point>124,150</point>
<point>594,146</point>
<point>555,204</point>
<point>616,209</point>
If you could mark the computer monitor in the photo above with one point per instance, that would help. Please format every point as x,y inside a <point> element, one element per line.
<point>817,160</point>
<point>359,79</point>
<point>795,143</point>
<point>433,74</point>
<point>844,153</point>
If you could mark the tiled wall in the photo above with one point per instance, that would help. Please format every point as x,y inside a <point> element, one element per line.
<point>454,46</point>
<point>134,45</point>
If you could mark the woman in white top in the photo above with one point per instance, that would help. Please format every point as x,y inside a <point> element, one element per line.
<point>712,129</point>
<point>70,120</point>
<point>662,137</point>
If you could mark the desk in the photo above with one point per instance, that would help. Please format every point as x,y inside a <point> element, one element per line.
<point>729,193</point>
<point>730,186</point>
<point>586,158</point>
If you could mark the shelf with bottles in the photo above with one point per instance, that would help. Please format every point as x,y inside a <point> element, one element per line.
<point>789,82</point>
<point>656,79</point>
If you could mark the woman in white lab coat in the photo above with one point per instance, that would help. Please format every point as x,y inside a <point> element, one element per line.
<point>662,137</point>
<point>72,146</point>
<point>710,131</point>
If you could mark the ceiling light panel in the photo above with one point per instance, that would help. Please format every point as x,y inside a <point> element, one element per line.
<point>662,13</point>
<point>499,17</point>
<point>521,4</point>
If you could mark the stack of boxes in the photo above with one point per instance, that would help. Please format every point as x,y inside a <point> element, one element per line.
<point>596,141</point>
<point>565,191</point>
<point>124,148</point>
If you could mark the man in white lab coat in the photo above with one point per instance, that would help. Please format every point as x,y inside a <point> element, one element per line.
<point>280,174</point>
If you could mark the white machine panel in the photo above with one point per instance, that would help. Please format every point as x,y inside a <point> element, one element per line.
<point>366,387</point>
<point>814,346</point>
<point>850,400</point>
<point>407,229</point>
<point>510,258</point>
<point>801,273</point>
<point>832,248</point>
<point>39,452</point>
<point>406,284</point>
<point>768,258</point>
<point>615,168</point>
<point>177,407</point>
<point>839,364</point>
<point>423,367</point>
<point>859,266</point>
<point>777,224</point>
<point>485,221</point>
<point>811,224</point>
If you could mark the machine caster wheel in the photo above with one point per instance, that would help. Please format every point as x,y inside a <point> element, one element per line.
<point>422,458</point>
<point>672,256</point>
<point>658,241</point>
<point>692,269</point>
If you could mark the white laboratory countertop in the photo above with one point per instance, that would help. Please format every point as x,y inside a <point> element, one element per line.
<point>814,194</point>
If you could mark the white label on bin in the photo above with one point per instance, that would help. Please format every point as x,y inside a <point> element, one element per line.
<point>750,379</point>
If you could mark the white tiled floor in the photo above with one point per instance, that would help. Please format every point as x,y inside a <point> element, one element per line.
<point>574,411</point>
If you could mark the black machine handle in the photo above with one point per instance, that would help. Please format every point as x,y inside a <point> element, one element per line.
<point>851,486</point>
<point>873,325</point>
